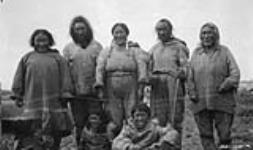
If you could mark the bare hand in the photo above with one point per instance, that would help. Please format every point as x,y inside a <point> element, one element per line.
<point>181,74</point>
<point>100,93</point>
<point>19,103</point>
<point>222,88</point>
<point>193,98</point>
<point>141,92</point>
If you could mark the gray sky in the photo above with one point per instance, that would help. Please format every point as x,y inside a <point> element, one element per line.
<point>19,18</point>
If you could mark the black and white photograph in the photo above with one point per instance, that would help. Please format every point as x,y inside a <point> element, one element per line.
<point>126,75</point>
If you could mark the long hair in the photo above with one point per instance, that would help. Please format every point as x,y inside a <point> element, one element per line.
<point>215,30</point>
<point>88,37</point>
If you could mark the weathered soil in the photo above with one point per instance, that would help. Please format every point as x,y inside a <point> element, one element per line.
<point>242,130</point>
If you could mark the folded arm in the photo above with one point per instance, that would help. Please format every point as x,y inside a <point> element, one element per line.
<point>124,142</point>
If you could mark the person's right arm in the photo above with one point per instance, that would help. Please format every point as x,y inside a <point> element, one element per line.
<point>124,142</point>
<point>100,68</point>
<point>18,85</point>
<point>191,81</point>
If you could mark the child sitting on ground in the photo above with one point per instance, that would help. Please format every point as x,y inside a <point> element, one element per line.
<point>94,135</point>
<point>141,133</point>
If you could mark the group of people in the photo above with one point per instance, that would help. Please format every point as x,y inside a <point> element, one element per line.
<point>104,89</point>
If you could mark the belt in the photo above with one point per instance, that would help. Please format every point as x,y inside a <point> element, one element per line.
<point>169,73</point>
<point>120,74</point>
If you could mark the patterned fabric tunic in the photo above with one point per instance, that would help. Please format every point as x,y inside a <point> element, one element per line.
<point>166,60</point>
<point>42,80</point>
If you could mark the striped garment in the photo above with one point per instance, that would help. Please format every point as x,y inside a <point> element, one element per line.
<point>166,59</point>
<point>42,81</point>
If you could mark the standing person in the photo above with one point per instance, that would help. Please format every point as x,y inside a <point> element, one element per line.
<point>82,55</point>
<point>41,85</point>
<point>120,71</point>
<point>213,84</point>
<point>167,77</point>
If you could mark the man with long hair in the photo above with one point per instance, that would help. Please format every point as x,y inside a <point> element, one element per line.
<point>167,76</point>
<point>213,85</point>
<point>81,55</point>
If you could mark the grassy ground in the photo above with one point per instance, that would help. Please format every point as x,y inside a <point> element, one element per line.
<point>242,128</point>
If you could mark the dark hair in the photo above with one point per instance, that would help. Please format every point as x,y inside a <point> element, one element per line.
<point>141,107</point>
<point>77,19</point>
<point>169,24</point>
<point>42,31</point>
<point>104,118</point>
<point>122,25</point>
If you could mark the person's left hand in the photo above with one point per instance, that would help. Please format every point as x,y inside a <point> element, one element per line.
<point>141,92</point>
<point>194,98</point>
<point>64,102</point>
<point>100,93</point>
<point>224,87</point>
<point>109,129</point>
<point>181,74</point>
<point>19,103</point>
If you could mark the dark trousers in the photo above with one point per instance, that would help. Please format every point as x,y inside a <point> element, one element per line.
<point>80,110</point>
<point>31,136</point>
<point>207,120</point>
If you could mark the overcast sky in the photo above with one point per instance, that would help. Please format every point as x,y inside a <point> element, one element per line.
<point>19,18</point>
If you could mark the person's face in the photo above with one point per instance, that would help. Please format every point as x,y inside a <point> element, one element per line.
<point>119,36</point>
<point>94,121</point>
<point>207,37</point>
<point>140,119</point>
<point>80,29</point>
<point>41,41</point>
<point>163,31</point>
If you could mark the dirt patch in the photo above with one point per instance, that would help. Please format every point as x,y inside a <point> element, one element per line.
<point>242,131</point>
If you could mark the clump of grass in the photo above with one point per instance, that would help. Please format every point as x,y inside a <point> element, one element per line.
<point>7,142</point>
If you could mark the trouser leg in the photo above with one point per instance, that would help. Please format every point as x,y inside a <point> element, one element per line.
<point>57,142</point>
<point>32,137</point>
<point>175,113</point>
<point>79,110</point>
<point>130,101</point>
<point>223,124</point>
<point>159,100</point>
<point>116,112</point>
<point>178,121</point>
<point>204,120</point>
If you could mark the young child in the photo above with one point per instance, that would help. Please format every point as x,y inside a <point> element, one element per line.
<point>141,133</point>
<point>94,135</point>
